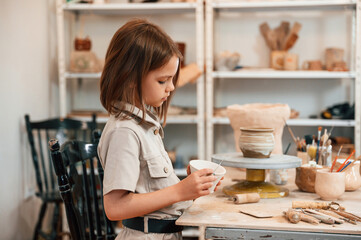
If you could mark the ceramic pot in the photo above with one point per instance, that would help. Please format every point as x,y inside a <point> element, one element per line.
<point>305,178</point>
<point>329,185</point>
<point>256,142</point>
<point>352,175</point>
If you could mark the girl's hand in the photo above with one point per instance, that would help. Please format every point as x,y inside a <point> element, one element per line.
<point>219,183</point>
<point>196,184</point>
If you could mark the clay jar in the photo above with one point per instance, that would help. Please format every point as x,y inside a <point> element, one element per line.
<point>352,175</point>
<point>329,185</point>
<point>256,142</point>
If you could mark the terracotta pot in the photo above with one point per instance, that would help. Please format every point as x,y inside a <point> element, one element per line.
<point>257,142</point>
<point>329,186</point>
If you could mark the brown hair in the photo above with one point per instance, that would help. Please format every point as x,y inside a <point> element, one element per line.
<point>137,48</point>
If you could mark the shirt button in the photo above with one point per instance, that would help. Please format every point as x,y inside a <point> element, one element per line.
<point>165,169</point>
<point>156,131</point>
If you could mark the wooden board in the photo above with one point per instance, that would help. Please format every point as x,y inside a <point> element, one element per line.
<point>215,210</point>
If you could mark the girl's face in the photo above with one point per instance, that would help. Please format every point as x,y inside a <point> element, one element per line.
<point>158,84</point>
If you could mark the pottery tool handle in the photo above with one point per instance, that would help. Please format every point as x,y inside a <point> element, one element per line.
<point>309,219</point>
<point>324,219</point>
<point>335,219</point>
<point>246,198</point>
<point>293,216</point>
<point>310,204</point>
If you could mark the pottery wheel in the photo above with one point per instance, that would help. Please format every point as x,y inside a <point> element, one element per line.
<point>275,161</point>
<point>255,173</point>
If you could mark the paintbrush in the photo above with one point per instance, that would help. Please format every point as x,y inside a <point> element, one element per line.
<point>343,164</point>
<point>347,164</point>
<point>290,131</point>
<point>334,161</point>
<point>318,143</point>
<point>350,165</point>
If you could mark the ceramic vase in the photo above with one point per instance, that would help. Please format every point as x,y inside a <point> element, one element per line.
<point>257,142</point>
<point>352,176</point>
<point>329,185</point>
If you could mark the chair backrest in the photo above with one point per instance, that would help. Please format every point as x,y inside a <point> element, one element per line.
<point>40,132</point>
<point>76,164</point>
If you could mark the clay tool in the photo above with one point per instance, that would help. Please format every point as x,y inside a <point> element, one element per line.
<point>245,198</point>
<point>293,216</point>
<point>310,204</point>
<point>334,161</point>
<point>318,143</point>
<point>348,215</point>
<point>324,219</point>
<point>335,215</point>
<point>317,205</point>
<point>219,164</point>
<point>343,164</point>
<point>336,219</point>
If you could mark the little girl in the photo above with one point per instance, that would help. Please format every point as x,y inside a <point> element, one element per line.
<point>140,186</point>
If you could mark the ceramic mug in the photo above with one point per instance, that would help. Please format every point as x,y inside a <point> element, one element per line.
<point>329,185</point>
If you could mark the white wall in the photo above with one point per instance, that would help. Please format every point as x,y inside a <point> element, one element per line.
<point>27,76</point>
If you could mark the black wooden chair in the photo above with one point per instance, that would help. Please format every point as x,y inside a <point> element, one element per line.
<point>39,133</point>
<point>81,189</point>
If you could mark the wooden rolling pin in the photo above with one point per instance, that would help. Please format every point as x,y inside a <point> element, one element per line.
<point>246,198</point>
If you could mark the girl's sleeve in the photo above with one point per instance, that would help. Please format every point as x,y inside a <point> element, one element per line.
<point>120,155</point>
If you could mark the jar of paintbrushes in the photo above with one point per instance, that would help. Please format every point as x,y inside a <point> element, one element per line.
<point>320,152</point>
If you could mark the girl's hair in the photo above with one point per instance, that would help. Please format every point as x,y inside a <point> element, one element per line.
<point>137,48</point>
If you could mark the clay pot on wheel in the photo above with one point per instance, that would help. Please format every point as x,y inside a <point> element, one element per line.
<point>256,142</point>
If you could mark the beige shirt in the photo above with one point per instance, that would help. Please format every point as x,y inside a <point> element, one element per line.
<point>134,159</point>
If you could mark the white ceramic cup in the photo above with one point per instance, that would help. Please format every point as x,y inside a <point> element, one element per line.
<point>196,165</point>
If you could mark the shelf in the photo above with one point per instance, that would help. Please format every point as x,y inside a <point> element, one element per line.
<point>301,122</point>
<point>251,74</point>
<point>261,74</point>
<point>284,5</point>
<point>131,8</point>
<point>180,119</point>
<point>70,75</point>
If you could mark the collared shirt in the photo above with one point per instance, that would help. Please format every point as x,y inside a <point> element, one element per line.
<point>134,159</point>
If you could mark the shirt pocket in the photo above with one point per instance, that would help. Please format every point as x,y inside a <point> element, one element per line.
<point>159,172</point>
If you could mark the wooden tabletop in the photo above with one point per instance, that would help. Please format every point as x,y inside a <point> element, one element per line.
<point>215,210</point>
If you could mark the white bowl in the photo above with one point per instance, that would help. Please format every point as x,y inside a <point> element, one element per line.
<point>196,165</point>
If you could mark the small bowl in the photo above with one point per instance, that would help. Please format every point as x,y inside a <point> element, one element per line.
<point>196,165</point>
<point>329,185</point>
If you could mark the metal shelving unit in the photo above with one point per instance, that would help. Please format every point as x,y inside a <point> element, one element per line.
<point>212,10</point>
<point>129,9</point>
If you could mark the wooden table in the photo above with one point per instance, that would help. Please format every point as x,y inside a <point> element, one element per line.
<point>219,218</point>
